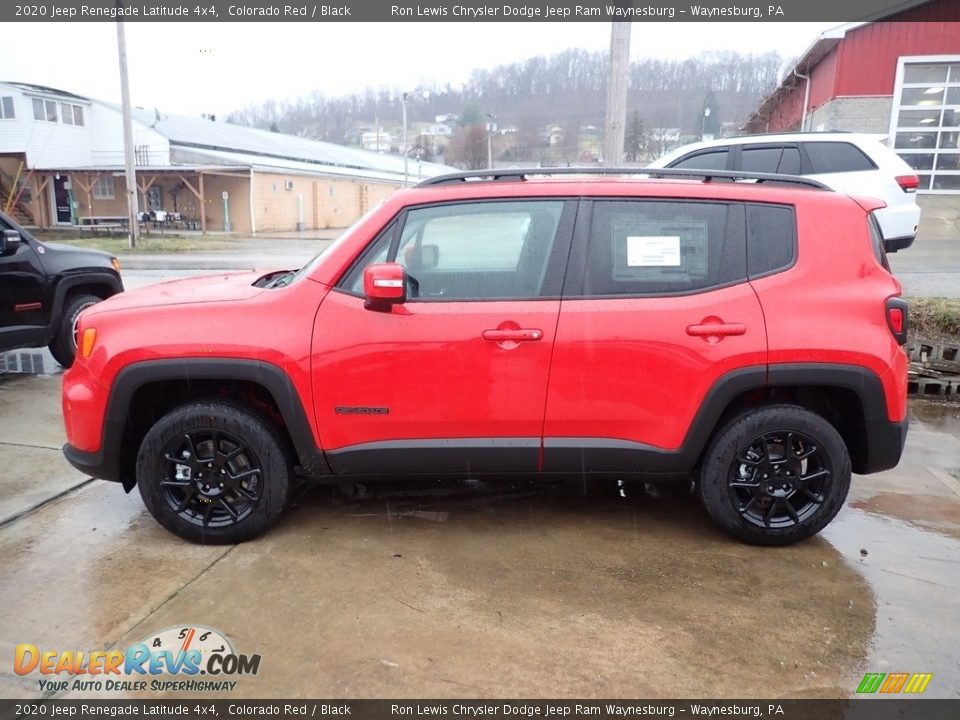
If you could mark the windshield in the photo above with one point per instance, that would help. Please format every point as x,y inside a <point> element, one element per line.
<point>343,238</point>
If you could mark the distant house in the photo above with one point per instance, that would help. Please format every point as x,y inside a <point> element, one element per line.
<point>376,141</point>
<point>899,76</point>
<point>62,163</point>
<point>438,130</point>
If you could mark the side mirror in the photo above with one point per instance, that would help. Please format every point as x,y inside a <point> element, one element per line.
<point>384,284</point>
<point>7,239</point>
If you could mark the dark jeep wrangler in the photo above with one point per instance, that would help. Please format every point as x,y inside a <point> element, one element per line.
<point>45,286</point>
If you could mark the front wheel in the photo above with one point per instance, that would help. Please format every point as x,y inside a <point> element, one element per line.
<point>64,345</point>
<point>775,476</point>
<point>214,473</point>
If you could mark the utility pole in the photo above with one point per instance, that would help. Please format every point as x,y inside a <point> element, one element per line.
<point>616,117</point>
<point>490,129</point>
<point>133,209</point>
<point>404,101</point>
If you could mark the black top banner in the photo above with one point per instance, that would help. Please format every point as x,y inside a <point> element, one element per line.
<point>480,11</point>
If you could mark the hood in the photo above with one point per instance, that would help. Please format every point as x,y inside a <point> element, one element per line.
<point>223,287</point>
<point>67,257</point>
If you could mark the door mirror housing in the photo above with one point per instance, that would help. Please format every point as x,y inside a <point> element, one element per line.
<point>9,239</point>
<point>384,284</point>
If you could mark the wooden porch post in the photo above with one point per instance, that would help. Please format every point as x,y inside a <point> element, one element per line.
<point>203,208</point>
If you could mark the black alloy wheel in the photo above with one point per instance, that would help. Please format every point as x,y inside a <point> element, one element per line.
<point>214,472</point>
<point>775,475</point>
<point>779,479</point>
<point>213,478</point>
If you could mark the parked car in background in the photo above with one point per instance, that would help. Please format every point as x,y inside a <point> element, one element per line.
<point>45,286</point>
<point>856,164</point>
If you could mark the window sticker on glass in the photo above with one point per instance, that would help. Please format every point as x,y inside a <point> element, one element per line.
<point>653,251</point>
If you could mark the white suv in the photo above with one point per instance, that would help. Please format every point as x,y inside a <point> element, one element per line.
<point>851,163</point>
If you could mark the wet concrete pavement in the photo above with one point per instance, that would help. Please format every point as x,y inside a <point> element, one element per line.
<point>492,591</point>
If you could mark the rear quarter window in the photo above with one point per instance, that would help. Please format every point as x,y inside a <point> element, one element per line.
<point>837,157</point>
<point>771,239</point>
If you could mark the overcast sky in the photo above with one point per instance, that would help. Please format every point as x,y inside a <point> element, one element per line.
<point>193,68</point>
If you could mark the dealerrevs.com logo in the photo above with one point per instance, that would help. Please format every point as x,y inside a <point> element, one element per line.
<point>184,653</point>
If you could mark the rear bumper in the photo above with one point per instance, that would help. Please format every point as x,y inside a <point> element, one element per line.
<point>898,224</point>
<point>885,441</point>
<point>891,245</point>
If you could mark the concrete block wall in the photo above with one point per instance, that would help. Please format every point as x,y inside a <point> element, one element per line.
<point>855,114</point>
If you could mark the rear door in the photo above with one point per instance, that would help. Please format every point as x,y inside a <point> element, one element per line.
<point>656,310</point>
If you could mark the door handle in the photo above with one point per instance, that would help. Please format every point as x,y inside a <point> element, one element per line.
<point>720,329</point>
<point>512,335</point>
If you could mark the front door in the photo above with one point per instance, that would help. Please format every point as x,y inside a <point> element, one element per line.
<point>23,314</point>
<point>454,380</point>
<point>62,208</point>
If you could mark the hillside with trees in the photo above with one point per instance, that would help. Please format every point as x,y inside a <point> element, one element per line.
<point>545,109</point>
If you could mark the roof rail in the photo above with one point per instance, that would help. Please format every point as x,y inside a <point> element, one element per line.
<point>506,174</point>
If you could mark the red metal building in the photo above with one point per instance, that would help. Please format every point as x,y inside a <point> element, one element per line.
<point>899,76</point>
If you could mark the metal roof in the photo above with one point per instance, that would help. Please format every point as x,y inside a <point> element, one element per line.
<point>277,149</point>
<point>44,90</point>
<point>227,159</point>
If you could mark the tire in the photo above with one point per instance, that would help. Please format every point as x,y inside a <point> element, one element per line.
<point>64,344</point>
<point>775,476</point>
<point>251,473</point>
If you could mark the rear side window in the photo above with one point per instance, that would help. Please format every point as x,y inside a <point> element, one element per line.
<point>771,239</point>
<point>761,159</point>
<point>652,247</point>
<point>713,160</point>
<point>780,160</point>
<point>837,157</point>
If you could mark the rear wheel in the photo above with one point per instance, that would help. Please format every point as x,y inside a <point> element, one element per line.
<point>64,345</point>
<point>214,473</point>
<point>775,476</point>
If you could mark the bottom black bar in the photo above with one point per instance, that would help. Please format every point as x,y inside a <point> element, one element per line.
<point>874,708</point>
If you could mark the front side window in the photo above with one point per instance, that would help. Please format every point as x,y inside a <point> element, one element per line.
<point>654,247</point>
<point>470,251</point>
<point>6,107</point>
<point>713,160</point>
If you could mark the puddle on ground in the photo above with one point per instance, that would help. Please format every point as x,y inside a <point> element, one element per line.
<point>915,577</point>
<point>926,512</point>
<point>941,416</point>
<point>29,362</point>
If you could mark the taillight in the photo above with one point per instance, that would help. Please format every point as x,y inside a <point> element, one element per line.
<point>897,318</point>
<point>908,183</point>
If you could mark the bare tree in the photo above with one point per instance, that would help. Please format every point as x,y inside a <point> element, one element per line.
<point>468,148</point>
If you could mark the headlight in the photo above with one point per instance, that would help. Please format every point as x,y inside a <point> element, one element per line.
<point>116,264</point>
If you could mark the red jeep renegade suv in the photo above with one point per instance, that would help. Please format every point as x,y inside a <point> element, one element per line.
<point>746,334</point>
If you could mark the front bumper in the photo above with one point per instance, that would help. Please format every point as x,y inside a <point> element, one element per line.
<point>93,464</point>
